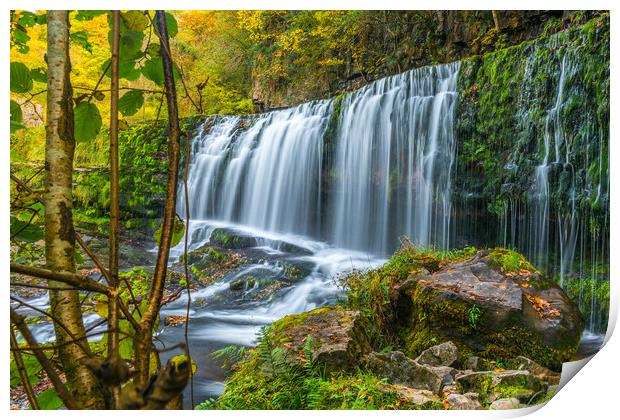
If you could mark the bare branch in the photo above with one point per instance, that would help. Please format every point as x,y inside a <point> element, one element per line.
<point>72,279</point>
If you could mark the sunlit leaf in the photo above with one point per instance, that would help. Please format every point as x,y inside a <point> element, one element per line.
<point>135,20</point>
<point>21,80</point>
<point>131,102</point>
<point>87,121</point>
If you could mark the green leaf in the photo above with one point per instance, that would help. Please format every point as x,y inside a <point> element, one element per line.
<point>20,39</point>
<point>16,117</point>
<point>25,232</point>
<point>81,38</point>
<point>135,20</point>
<point>173,27</point>
<point>131,44</point>
<point>177,232</point>
<point>32,369</point>
<point>48,400</point>
<point>39,74</point>
<point>83,15</point>
<point>171,23</point>
<point>16,112</point>
<point>27,19</point>
<point>153,70</point>
<point>87,121</point>
<point>21,80</point>
<point>131,102</point>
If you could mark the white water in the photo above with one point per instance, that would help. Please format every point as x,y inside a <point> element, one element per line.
<point>397,130</point>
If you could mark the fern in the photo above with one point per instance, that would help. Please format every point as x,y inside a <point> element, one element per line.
<point>229,355</point>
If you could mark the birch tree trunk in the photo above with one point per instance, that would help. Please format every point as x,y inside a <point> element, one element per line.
<point>59,233</point>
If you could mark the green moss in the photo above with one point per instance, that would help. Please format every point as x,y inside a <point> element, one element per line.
<point>518,341</point>
<point>510,261</point>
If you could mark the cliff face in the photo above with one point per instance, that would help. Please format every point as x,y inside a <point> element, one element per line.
<point>533,139</point>
<point>384,43</point>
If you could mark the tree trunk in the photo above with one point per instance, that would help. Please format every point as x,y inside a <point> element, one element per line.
<point>59,233</point>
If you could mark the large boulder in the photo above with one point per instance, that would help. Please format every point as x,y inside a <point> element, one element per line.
<point>337,337</point>
<point>494,304</point>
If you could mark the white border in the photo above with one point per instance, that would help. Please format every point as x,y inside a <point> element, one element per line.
<point>592,393</point>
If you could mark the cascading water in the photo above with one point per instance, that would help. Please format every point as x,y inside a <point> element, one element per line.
<point>395,148</point>
<point>266,176</point>
<point>394,152</point>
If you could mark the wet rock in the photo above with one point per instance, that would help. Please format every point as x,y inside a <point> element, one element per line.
<point>293,249</point>
<point>338,337</point>
<point>445,354</point>
<point>463,402</point>
<point>505,404</point>
<point>231,239</point>
<point>495,304</point>
<point>399,369</point>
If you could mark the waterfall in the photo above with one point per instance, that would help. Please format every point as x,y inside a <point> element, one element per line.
<point>394,147</point>
<point>394,155</point>
<point>266,175</point>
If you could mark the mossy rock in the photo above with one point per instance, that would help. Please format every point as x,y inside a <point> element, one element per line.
<point>229,239</point>
<point>491,308</point>
<point>338,337</point>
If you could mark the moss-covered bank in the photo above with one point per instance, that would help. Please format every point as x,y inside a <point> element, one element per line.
<point>143,171</point>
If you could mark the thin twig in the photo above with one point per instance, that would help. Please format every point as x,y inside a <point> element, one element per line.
<point>23,374</point>
<point>187,280</point>
<point>61,390</point>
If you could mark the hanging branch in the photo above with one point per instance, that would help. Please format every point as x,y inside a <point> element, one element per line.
<point>62,391</point>
<point>23,374</point>
<point>143,340</point>
<point>185,265</point>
